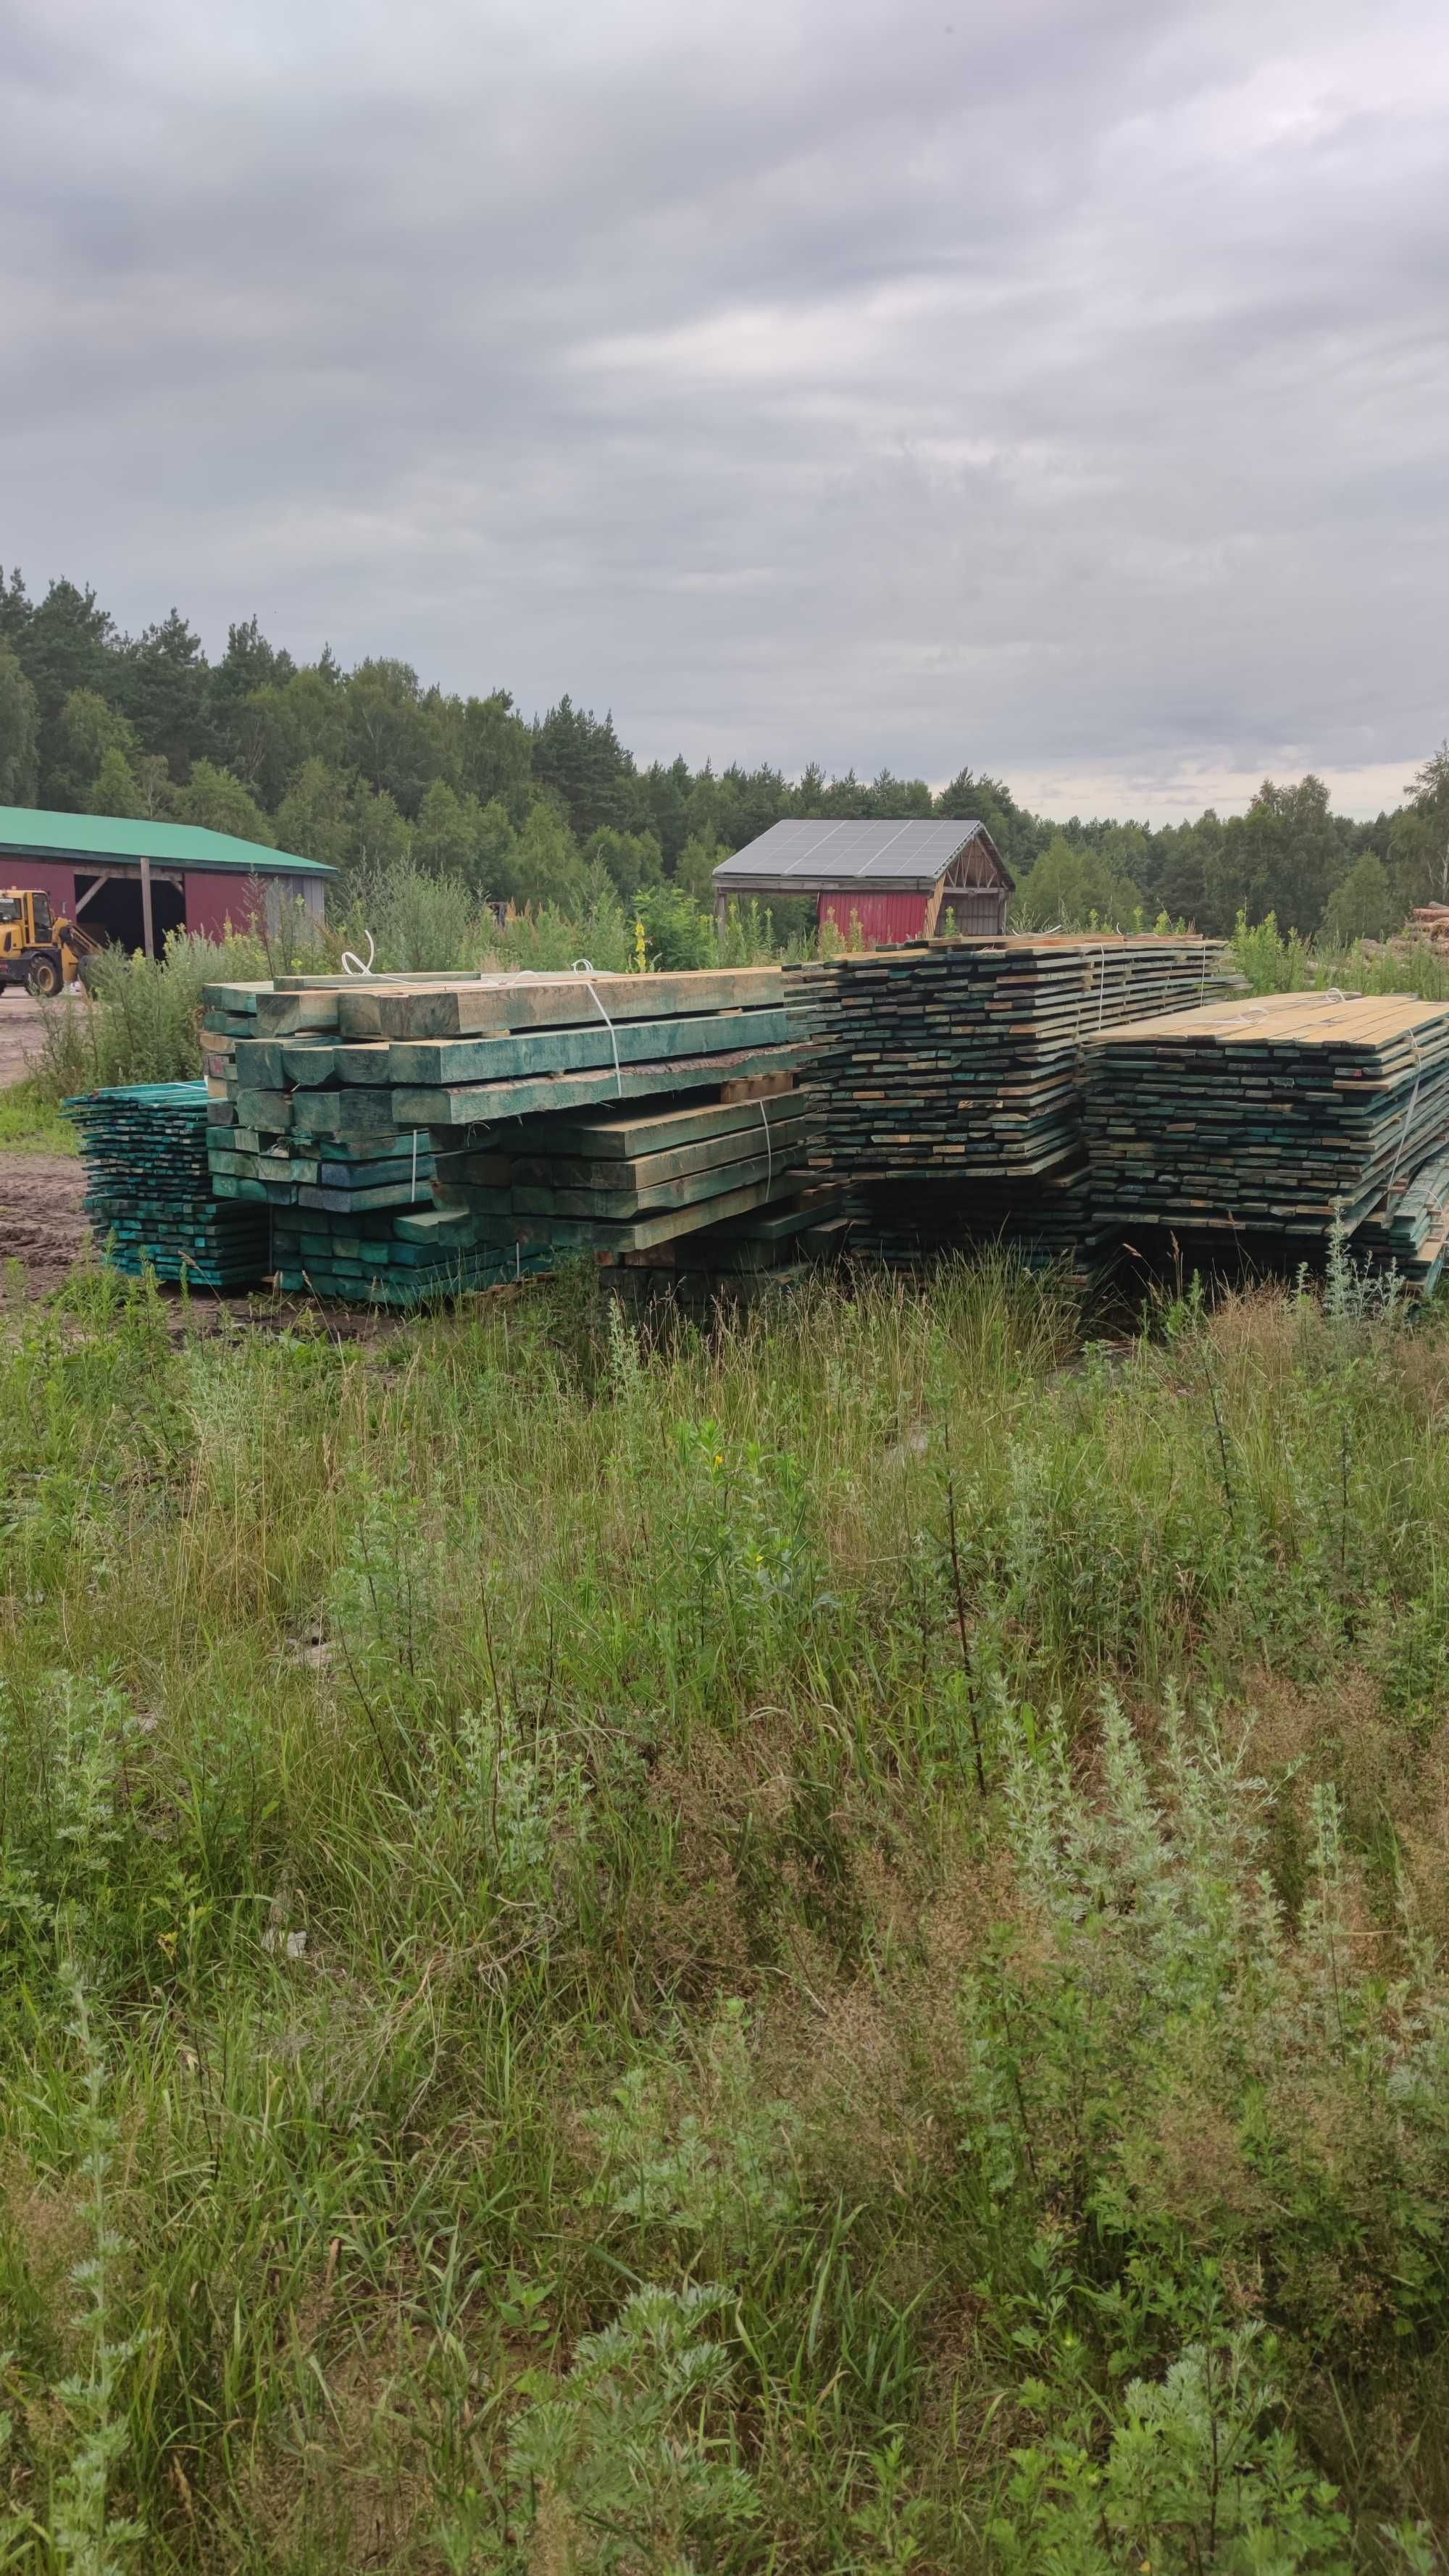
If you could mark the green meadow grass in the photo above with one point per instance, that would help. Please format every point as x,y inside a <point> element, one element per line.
<point>31,1123</point>
<point>819,1952</point>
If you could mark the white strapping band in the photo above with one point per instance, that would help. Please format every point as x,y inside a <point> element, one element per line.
<point>1409,1112</point>
<point>769,1151</point>
<point>585,966</point>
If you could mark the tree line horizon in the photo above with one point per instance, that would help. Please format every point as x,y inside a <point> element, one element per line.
<point>370,769</point>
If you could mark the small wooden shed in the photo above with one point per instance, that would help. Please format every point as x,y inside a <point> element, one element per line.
<point>888,881</point>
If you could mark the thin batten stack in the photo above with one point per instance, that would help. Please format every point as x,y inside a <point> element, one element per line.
<point>1407,1231</point>
<point>950,1081</point>
<point>1280,1116</point>
<point>148,1187</point>
<point>961,1060</point>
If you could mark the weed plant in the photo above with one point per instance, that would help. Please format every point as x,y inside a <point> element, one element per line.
<point>817,1950</point>
<point>140,1018</point>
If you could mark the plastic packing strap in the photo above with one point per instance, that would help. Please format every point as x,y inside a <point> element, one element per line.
<point>353,965</point>
<point>1409,1112</point>
<point>585,966</point>
<point>769,1150</point>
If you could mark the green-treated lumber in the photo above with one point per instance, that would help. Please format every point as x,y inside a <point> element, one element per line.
<point>624,1137</point>
<point>691,1190</point>
<point>434,1061</point>
<point>643,1171</point>
<point>483,1103</point>
<point>340,1113</point>
<point>587,1235</point>
<point>518,1003</point>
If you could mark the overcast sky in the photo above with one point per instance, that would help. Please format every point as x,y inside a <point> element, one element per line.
<point>1060,386</point>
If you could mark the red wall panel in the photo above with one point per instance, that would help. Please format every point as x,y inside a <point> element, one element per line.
<point>886,920</point>
<point>213,899</point>
<point>39,876</point>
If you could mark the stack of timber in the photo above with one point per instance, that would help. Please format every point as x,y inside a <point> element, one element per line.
<point>961,1060</point>
<point>1407,1232</point>
<point>148,1187</point>
<point>417,1134</point>
<point>390,1257</point>
<point>742,1261</point>
<point>1050,1226</point>
<point>298,1119</point>
<point>1280,1116</point>
<point>622,1183</point>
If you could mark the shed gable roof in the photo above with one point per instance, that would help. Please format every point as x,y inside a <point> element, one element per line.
<point>816,856</point>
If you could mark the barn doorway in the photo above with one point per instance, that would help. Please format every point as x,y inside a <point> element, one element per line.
<point>115,909</point>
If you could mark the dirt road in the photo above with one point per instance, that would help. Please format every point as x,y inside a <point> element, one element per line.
<point>19,1035</point>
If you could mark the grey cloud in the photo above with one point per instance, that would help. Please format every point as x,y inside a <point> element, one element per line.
<point>1061,393</point>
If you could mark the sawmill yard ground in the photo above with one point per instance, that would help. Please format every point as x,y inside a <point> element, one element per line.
<point>815,1952</point>
<point>42,1225</point>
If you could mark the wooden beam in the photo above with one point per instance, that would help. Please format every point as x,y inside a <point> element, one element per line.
<point>148,939</point>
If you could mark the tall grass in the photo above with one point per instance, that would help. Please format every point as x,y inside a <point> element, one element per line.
<point>1275,964</point>
<point>820,1951</point>
<point>140,1018</point>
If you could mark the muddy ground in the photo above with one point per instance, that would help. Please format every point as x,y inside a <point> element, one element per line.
<point>41,1223</point>
<point>42,1226</point>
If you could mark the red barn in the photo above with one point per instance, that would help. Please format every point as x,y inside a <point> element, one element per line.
<point>889,882</point>
<point>97,868</point>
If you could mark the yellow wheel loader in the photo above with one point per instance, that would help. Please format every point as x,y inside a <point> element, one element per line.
<point>39,950</point>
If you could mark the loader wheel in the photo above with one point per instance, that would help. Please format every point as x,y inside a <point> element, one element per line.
<point>45,978</point>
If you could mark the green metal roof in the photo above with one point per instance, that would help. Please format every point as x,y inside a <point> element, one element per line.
<point>27,831</point>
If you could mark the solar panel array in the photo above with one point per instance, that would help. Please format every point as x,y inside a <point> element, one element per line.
<point>829,854</point>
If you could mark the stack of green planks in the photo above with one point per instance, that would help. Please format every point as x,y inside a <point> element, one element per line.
<point>295,1120</point>
<point>622,1182</point>
<point>389,1257</point>
<point>1278,1116</point>
<point>1407,1231</point>
<point>961,1060</point>
<point>494,1102</point>
<point>148,1187</point>
<point>742,1260</point>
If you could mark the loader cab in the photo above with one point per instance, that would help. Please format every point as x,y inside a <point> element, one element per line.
<point>28,914</point>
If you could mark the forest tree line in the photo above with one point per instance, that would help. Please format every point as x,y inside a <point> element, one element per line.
<point>369,768</point>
